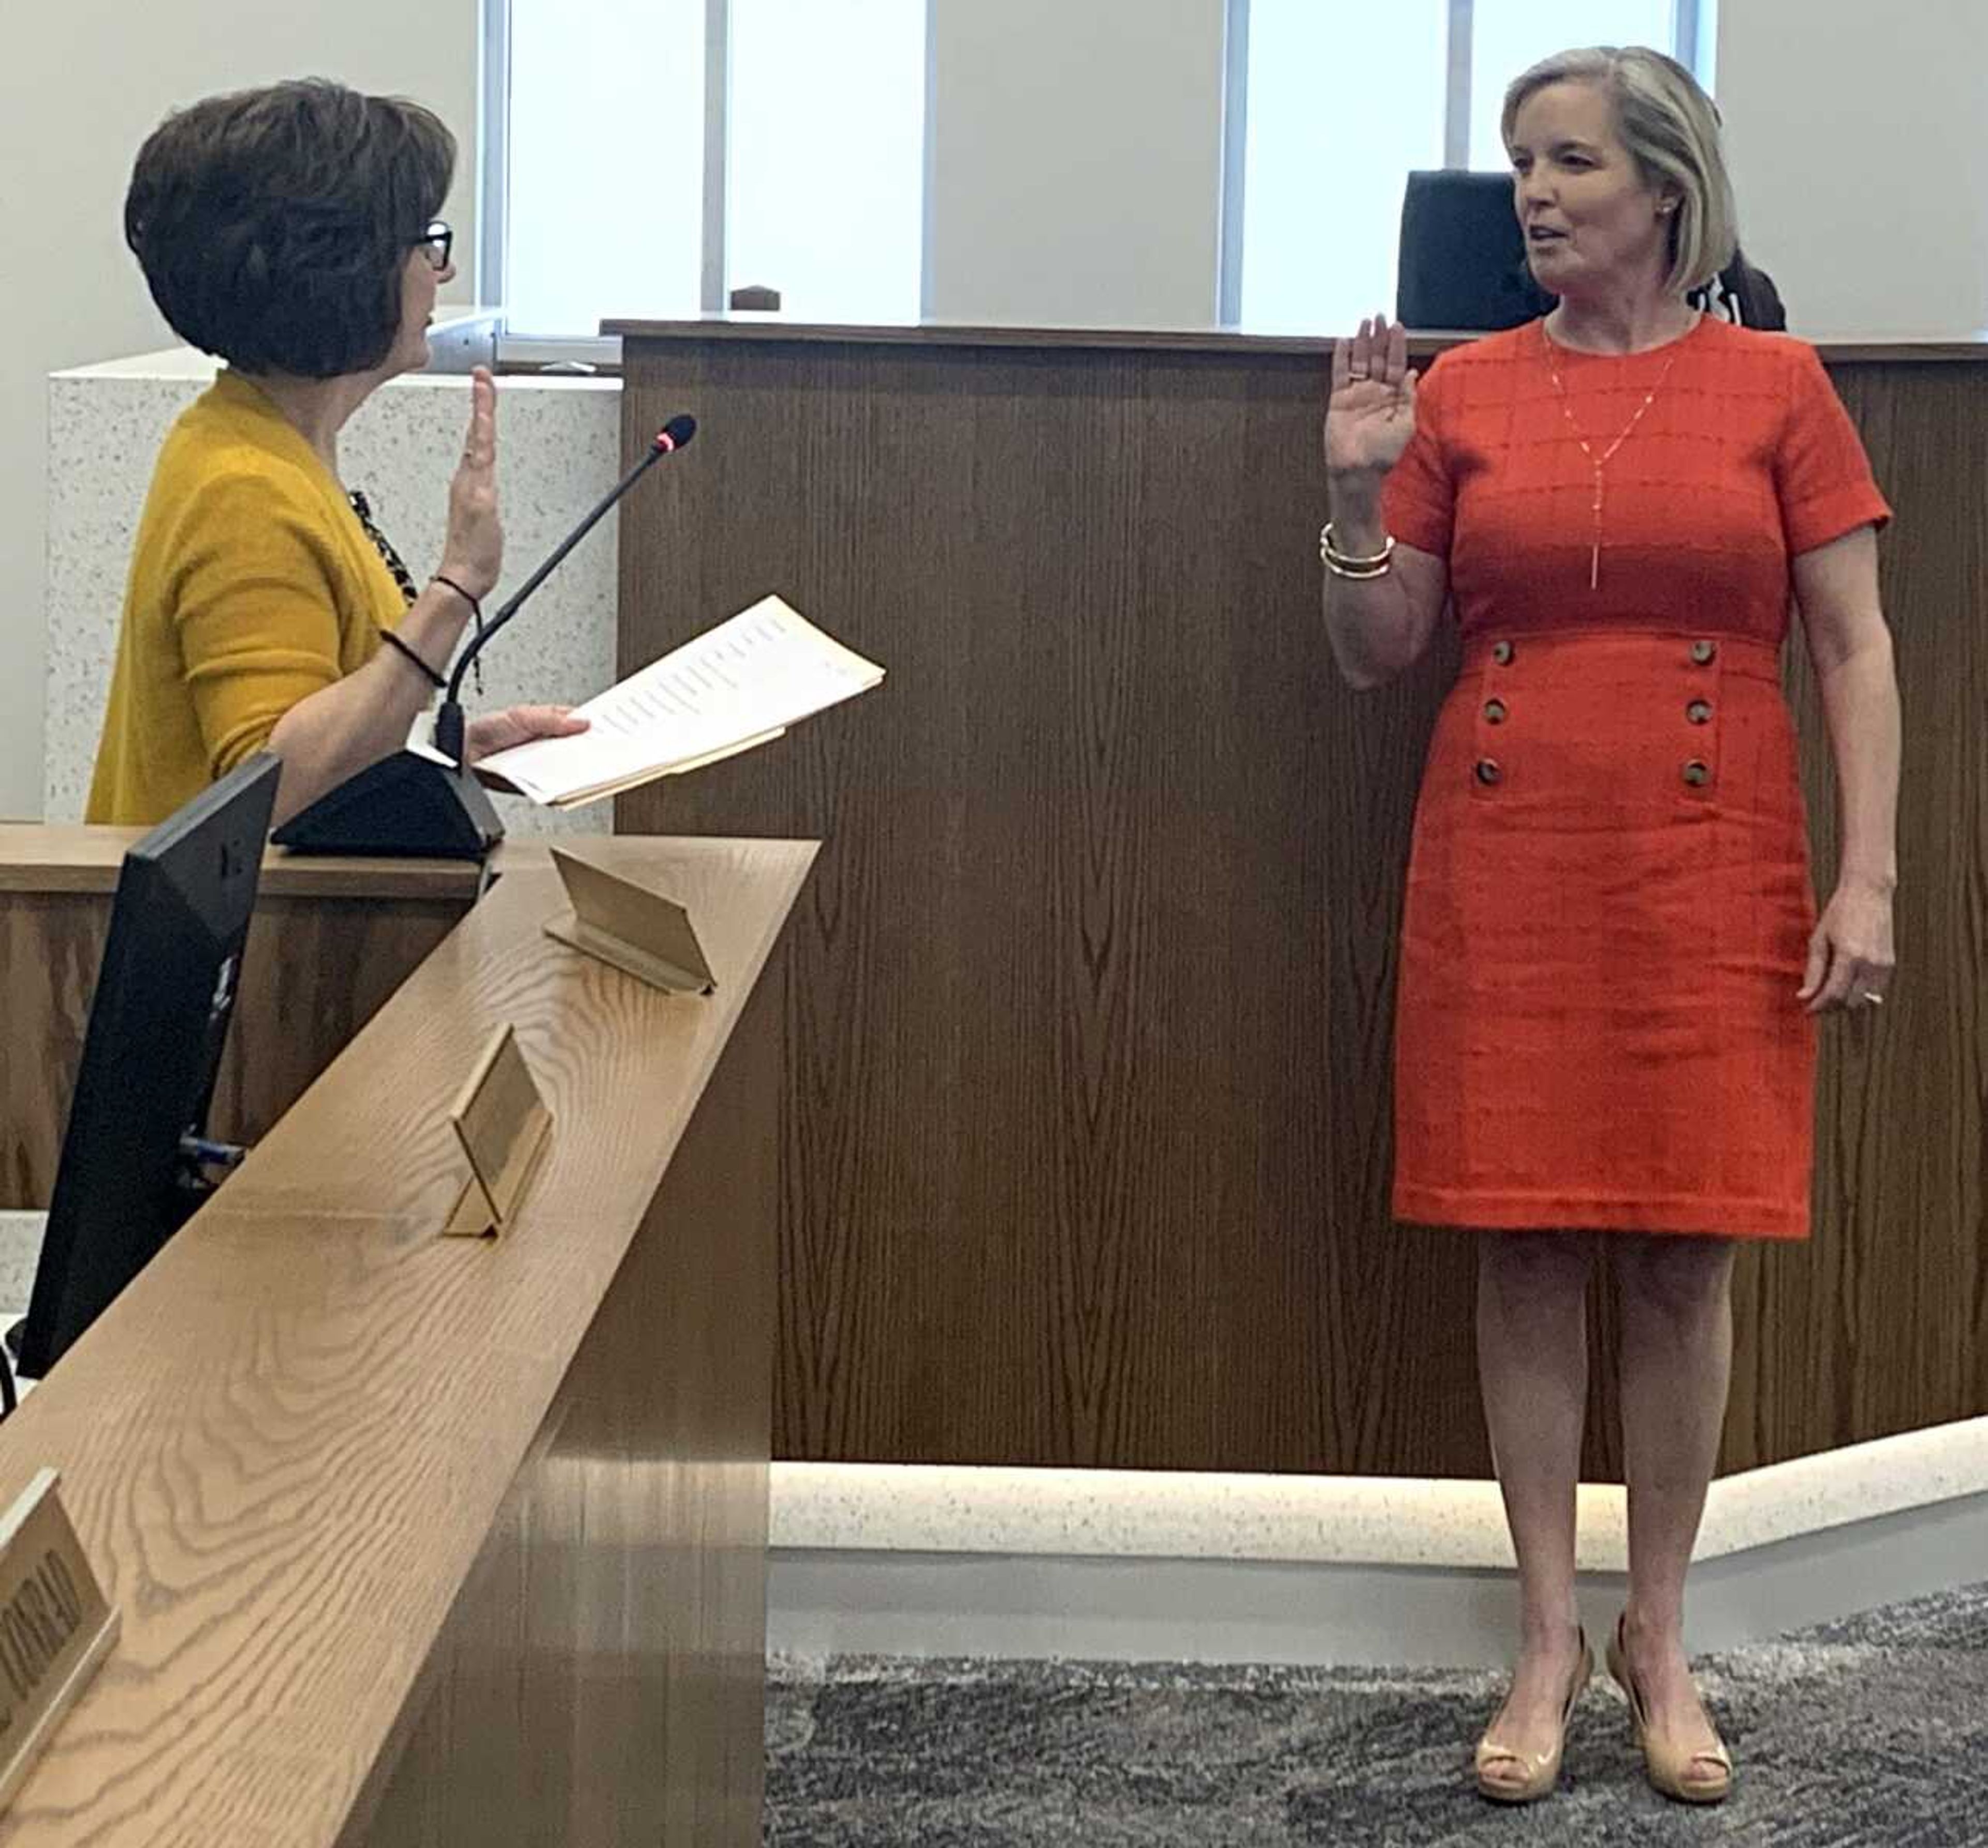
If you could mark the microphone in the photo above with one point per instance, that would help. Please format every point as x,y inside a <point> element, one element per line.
<point>448,725</point>
<point>408,804</point>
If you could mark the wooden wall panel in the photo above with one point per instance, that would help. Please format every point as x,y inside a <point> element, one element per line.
<point>602,1676</point>
<point>1881,1324</point>
<point>1086,1146</point>
<point>317,970</point>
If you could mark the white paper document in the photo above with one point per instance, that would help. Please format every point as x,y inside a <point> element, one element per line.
<point>735,686</point>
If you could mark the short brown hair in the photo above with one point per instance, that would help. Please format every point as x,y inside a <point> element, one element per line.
<point>274,225</point>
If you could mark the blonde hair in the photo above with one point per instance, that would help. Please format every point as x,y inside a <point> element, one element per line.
<point>1671,128</point>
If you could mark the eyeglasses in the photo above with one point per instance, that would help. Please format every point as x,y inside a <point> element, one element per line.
<point>438,241</point>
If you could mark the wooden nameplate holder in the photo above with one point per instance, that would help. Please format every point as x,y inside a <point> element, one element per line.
<point>55,1627</point>
<point>633,929</point>
<point>504,1127</point>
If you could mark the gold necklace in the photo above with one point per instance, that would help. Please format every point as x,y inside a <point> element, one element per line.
<point>1600,463</point>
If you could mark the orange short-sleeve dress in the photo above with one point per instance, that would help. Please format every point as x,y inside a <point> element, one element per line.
<point>1608,903</point>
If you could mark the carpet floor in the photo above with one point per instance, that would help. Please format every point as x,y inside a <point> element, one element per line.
<point>1872,1730</point>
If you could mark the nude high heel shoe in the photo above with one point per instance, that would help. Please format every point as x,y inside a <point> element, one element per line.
<point>1685,1777</point>
<point>1507,1776</point>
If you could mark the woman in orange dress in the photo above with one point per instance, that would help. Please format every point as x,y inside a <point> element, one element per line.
<point>1611,963</point>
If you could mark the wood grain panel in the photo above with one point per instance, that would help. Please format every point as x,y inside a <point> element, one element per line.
<point>1881,1325</point>
<point>748,329</point>
<point>1072,1109</point>
<point>1087,1142</point>
<point>42,857</point>
<point>575,1699</point>
<point>288,1445</point>
<point>315,970</point>
<point>52,946</point>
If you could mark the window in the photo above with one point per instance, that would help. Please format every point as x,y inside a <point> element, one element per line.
<point>644,158</point>
<point>603,212</point>
<point>1508,36</point>
<point>649,156</point>
<point>1330,140</point>
<point>1336,117</point>
<point>825,172</point>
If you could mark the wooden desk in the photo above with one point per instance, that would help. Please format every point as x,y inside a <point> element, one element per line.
<point>440,1542</point>
<point>331,939</point>
<point>1089,1133</point>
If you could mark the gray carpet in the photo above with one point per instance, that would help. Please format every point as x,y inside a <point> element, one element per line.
<point>1871,1731</point>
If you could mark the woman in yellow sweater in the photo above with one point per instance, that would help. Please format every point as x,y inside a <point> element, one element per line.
<point>292,233</point>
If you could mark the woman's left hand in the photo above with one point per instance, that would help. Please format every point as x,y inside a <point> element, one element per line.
<point>1849,956</point>
<point>519,725</point>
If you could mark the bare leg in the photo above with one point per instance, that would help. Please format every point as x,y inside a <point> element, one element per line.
<point>1676,1366</point>
<point>1532,1362</point>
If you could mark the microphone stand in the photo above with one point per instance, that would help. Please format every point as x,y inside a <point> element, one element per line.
<point>409,804</point>
<point>448,725</point>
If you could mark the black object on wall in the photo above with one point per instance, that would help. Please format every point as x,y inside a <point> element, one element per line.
<point>1463,266</point>
<point>1463,259</point>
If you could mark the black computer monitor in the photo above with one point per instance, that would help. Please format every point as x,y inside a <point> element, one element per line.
<point>130,1174</point>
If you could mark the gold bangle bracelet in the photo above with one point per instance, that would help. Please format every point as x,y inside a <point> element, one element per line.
<point>1330,554</point>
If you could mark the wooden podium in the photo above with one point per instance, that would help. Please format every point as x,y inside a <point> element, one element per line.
<point>1101,950</point>
<point>446,1542</point>
<point>331,939</point>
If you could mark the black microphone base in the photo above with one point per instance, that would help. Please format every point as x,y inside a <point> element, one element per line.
<point>403,806</point>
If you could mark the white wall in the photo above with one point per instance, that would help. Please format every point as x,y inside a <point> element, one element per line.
<point>1859,140</point>
<point>83,83</point>
<point>1076,161</point>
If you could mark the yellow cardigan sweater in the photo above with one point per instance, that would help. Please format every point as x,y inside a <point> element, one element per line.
<point>252,586</point>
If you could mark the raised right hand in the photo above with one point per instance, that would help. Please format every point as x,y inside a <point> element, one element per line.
<point>473,553</point>
<point>1370,413</point>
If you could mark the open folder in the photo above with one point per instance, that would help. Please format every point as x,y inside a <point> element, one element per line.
<point>735,686</point>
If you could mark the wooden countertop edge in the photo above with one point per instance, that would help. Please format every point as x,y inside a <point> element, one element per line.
<point>1214,342</point>
<point>37,856</point>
